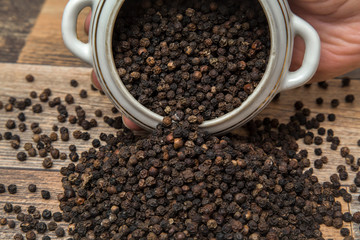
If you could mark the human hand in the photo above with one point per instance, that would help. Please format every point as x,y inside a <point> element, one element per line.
<point>128,123</point>
<point>338,25</point>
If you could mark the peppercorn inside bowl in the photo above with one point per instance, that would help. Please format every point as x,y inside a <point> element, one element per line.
<point>215,63</point>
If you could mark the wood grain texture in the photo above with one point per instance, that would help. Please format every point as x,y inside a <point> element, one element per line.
<point>45,180</point>
<point>31,171</point>
<point>58,78</point>
<point>16,22</point>
<point>45,45</point>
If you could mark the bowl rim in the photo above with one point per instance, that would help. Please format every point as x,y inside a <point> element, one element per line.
<point>279,59</point>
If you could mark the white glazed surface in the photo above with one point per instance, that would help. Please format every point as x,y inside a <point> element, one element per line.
<point>283,24</point>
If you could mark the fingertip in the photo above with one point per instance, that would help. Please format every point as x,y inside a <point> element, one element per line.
<point>87,23</point>
<point>130,124</point>
<point>94,80</point>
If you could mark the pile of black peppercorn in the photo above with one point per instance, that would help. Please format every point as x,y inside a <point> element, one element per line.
<point>201,57</point>
<point>182,183</point>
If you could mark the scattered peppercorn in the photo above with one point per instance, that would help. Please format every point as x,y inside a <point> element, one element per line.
<point>331,117</point>
<point>21,156</point>
<point>18,236</point>
<point>8,207</point>
<point>10,124</point>
<point>319,101</point>
<point>345,82</point>
<point>30,235</point>
<point>318,151</point>
<point>12,188</point>
<point>52,226</point>
<point>11,224</point>
<point>3,221</point>
<point>335,103</point>
<point>32,188</point>
<point>57,216</point>
<point>2,188</point>
<point>83,93</point>
<point>60,232</point>
<point>45,194</point>
<point>344,232</point>
<point>353,188</point>
<point>323,84</point>
<point>356,217</point>
<point>29,78</point>
<point>349,98</point>
<point>98,113</point>
<point>37,108</point>
<point>33,94</point>
<point>47,162</point>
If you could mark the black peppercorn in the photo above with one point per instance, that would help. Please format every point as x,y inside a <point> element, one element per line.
<point>18,236</point>
<point>29,78</point>
<point>11,224</point>
<point>8,207</point>
<point>12,188</point>
<point>356,217</point>
<point>60,232</point>
<point>74,83</point>
<point>3,221</point>
<point>46,214</point>
<point>349,98</point>
<point>10,124</point>
<point>52,226</point>
<point>323,84</point>
<point>45,194</point>
<point>318,151</point>
<point>32,188</point>
<point>83,93</point>
<point>41,227</point>
<point>318,140</point>
<point>30,235</point>
<point>98,113</point>
<point>21,156</point>
<point>319,101</point>
<point>57,216</point>
<point>37,108</point>
<point>21,117</point>
<point>331,117</point>
<point>2,188</point>
<point>69,99</point>
<point>335,103</point>
<point>47,162</point>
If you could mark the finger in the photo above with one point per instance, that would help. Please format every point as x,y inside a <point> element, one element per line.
<point>87,23</point>
<point>130,124</point>
<point>94,80</point>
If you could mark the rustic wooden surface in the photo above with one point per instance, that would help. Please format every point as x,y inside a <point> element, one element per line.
<point>16,21</point>
<point>44,44</point>
<point>53,66</point>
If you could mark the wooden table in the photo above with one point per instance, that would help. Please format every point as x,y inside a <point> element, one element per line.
<point>30,42</point>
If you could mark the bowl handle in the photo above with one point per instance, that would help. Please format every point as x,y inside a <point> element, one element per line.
<point>68,29</point>
<point>311,56</point>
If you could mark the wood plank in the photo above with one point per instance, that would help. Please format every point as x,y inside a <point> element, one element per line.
<point>16,21</point>
<point>25,199</point>
<point>57,79</point>
<point>345,127</point>
<point>45,45</point>
<point>31,171</point>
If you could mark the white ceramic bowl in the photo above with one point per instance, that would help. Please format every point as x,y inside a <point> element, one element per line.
<point>283,24</point>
